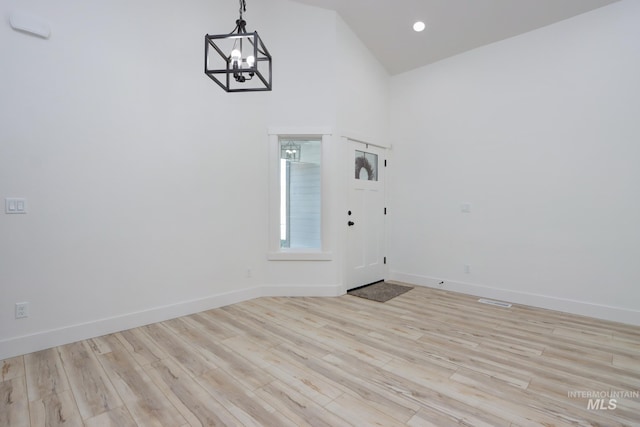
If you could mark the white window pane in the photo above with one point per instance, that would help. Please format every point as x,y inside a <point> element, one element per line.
<point>300,202</point>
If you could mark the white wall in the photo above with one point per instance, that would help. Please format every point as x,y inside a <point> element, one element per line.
<point>540,134</point>
<point>146,183</point>
<point>304,81</point>
<point>363,89</point>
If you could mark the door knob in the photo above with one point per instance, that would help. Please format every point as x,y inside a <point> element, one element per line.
<point>350,223</point>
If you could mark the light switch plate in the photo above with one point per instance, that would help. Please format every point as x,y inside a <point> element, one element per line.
<point>15,205</point>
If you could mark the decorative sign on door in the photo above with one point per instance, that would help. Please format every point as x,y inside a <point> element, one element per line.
<point>366,166</point>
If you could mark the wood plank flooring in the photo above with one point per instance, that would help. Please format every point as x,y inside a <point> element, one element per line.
<point>426,358</point>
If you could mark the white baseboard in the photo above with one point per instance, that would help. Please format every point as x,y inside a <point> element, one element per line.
<point>302,291</point>
<point>599,311</point>
<point>46,339</point>
<point>51,338</point>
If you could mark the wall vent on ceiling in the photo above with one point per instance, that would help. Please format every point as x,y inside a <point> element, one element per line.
<point>496,303</point>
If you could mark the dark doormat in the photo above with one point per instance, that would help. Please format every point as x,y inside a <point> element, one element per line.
<point>380,291</point>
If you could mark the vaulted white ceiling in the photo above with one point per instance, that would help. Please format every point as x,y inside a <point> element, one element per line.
<point>453,26</point>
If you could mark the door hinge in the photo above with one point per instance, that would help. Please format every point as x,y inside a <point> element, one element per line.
<point>385,211</point>
<point>385,260</point>
<point>385,163</point>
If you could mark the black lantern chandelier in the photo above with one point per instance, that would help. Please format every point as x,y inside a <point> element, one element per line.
<point>238,61</point>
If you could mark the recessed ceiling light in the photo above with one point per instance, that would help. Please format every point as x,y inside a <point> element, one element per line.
<point>419,26</point>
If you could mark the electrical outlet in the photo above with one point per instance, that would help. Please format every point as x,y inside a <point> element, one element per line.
<point>249,273</point>
<point>467,268</point>
<point>22,310</point>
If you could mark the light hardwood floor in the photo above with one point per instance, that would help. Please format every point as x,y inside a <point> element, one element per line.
<point>425,358</point>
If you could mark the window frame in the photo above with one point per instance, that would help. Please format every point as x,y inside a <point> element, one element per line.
<point>275,252</point>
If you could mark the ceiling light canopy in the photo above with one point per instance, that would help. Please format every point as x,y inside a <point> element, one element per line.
<point>238,61</point>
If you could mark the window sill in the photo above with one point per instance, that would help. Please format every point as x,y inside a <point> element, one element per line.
<point>299,256</point>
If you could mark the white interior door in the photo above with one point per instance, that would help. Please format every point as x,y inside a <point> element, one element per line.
<point>365,220</point>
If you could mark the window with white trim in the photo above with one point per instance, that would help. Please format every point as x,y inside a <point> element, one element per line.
<point>296,213</point>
